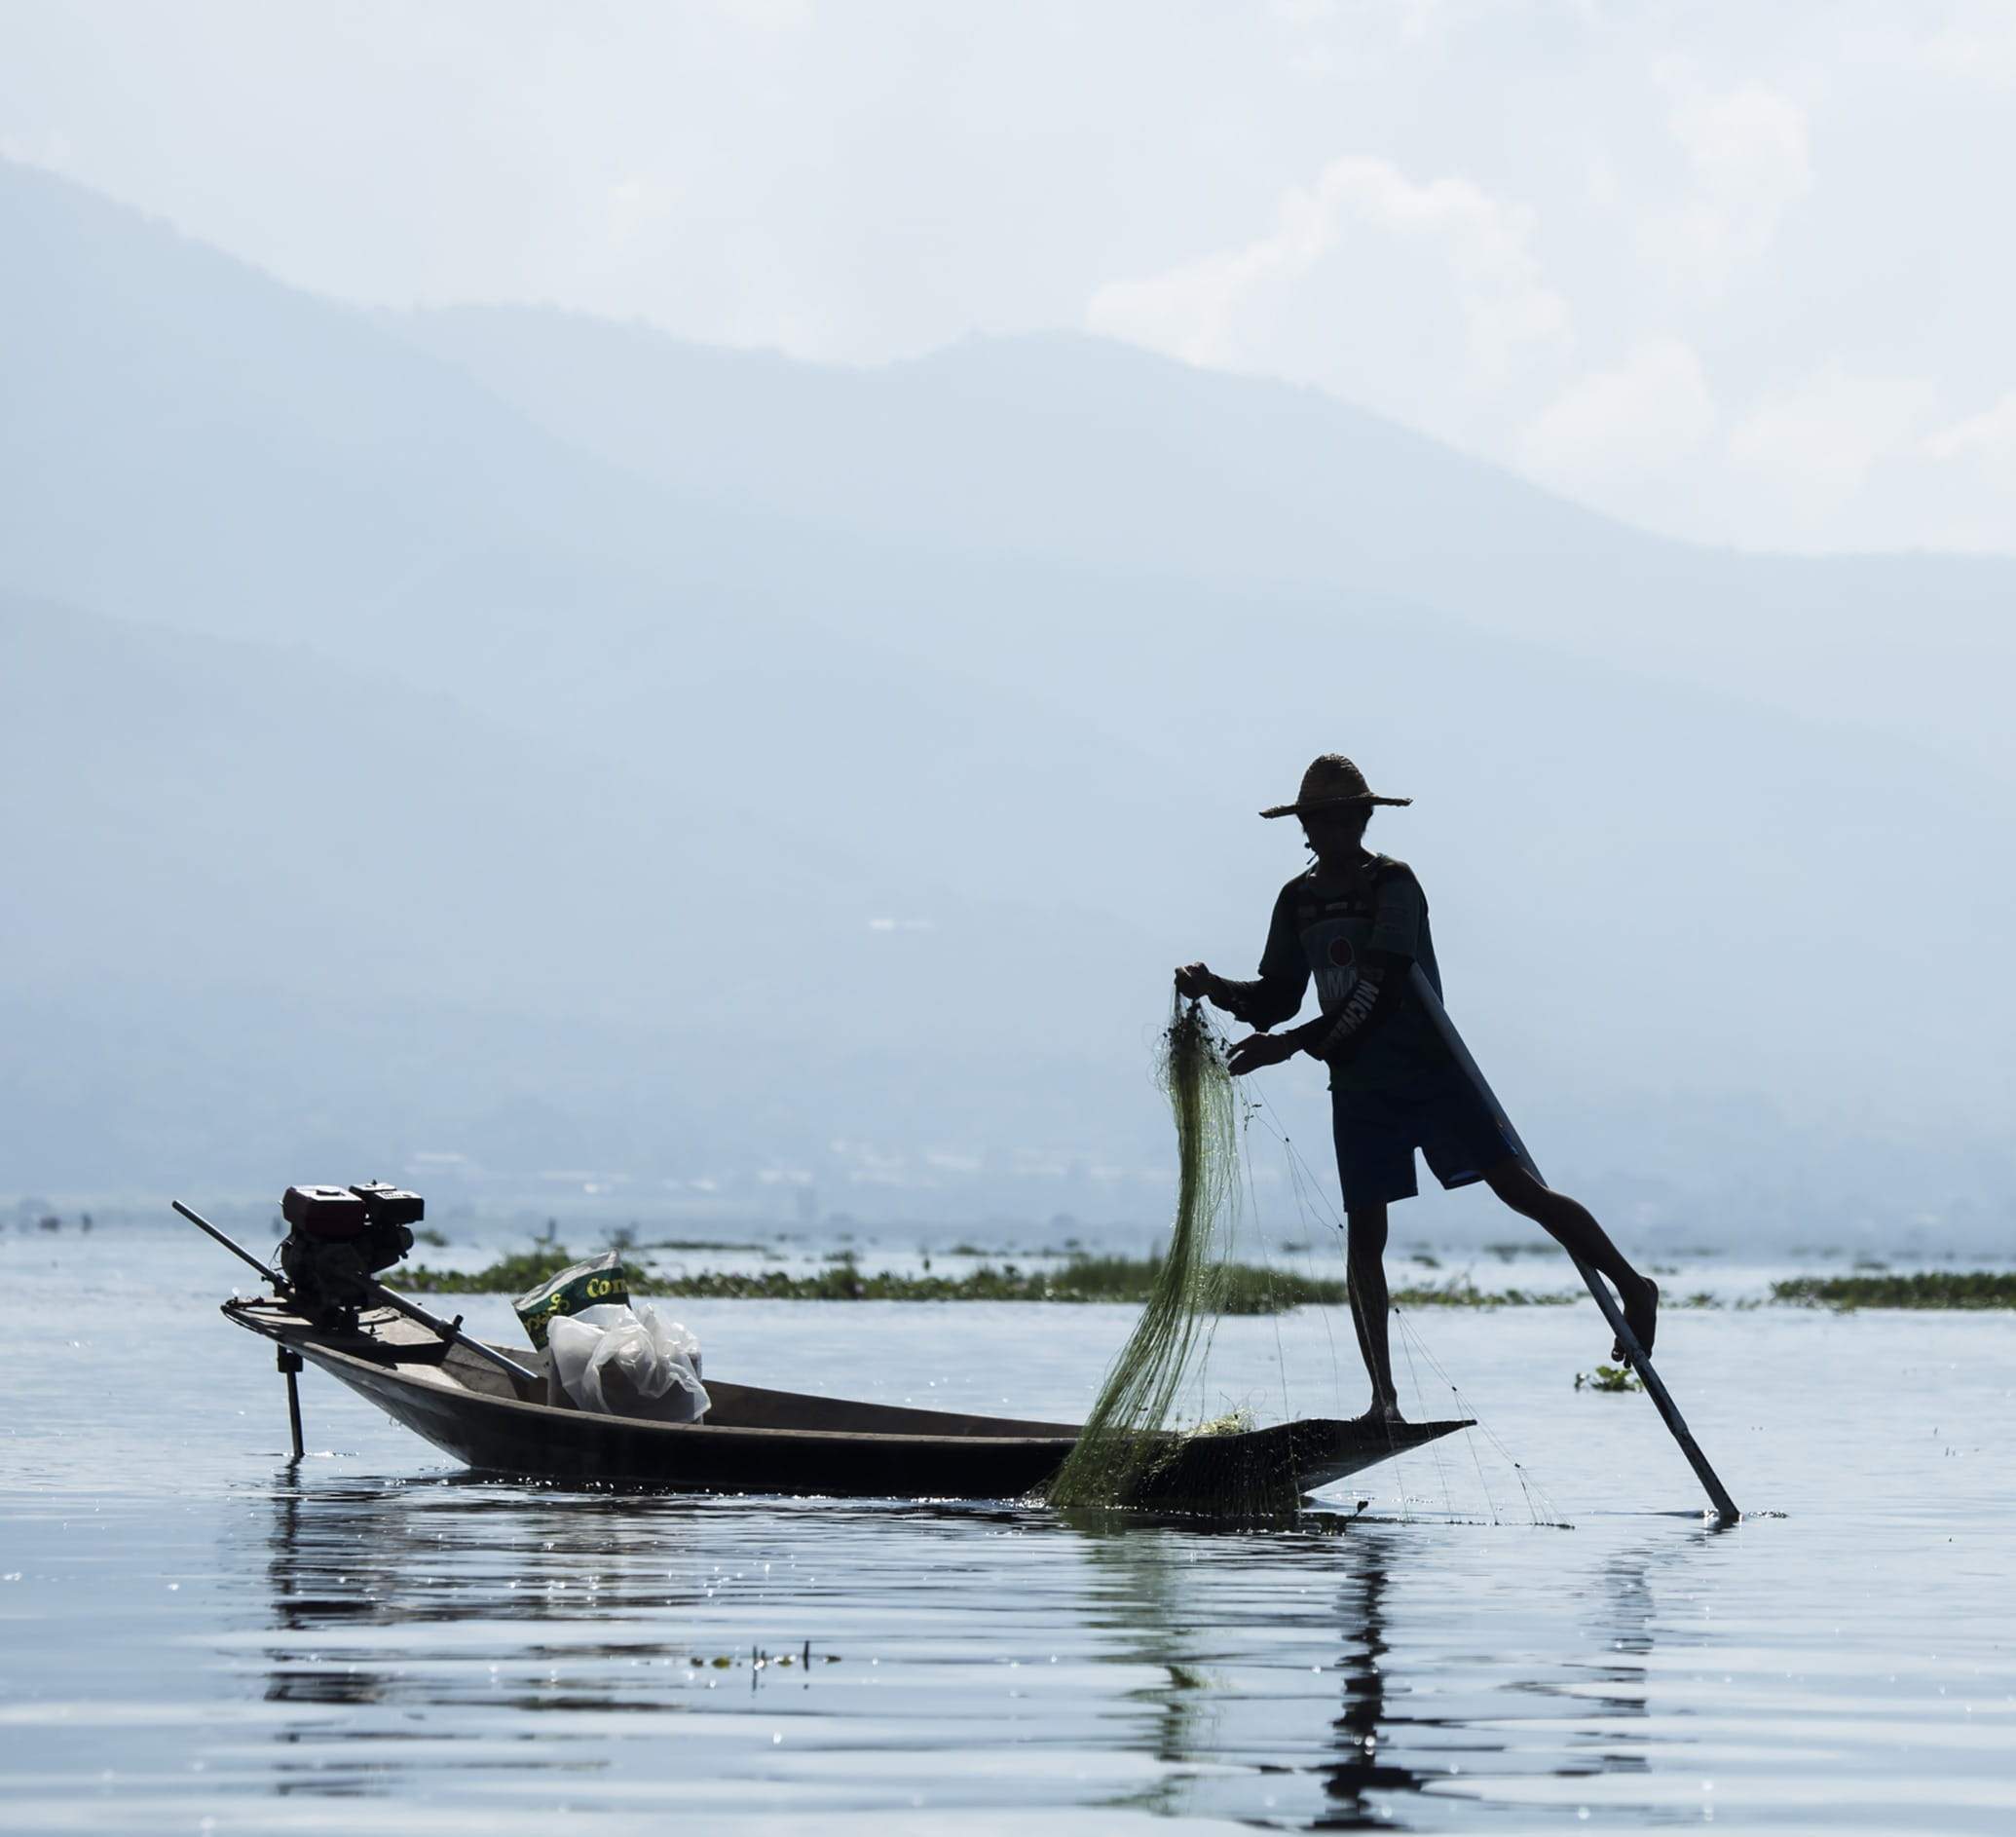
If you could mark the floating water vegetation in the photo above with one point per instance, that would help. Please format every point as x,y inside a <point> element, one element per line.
<point>1928,1288</point>
<point>759,1660</point>
<point>515,1274</point>
<point>1608,1377</point>
<point>1244,1287</point>
<point>707,1243</point>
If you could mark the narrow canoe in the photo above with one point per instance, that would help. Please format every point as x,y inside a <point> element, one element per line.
<point>757,1440</point>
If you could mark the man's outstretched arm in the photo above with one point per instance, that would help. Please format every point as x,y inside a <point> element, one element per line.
<point>1274,995</point>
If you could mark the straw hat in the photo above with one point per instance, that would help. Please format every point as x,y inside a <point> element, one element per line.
<point>1332,779</point>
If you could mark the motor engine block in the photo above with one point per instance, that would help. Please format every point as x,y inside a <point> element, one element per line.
<point>340,1237</point>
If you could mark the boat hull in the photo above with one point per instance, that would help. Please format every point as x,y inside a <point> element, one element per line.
<point>786,1443</point>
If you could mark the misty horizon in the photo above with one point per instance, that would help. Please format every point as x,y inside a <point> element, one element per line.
<point>592,609</point>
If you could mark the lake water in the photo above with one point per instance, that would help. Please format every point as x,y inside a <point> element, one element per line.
<point>196,1637</point>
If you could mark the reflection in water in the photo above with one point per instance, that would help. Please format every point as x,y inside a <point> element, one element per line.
<point>1214,1615</point>
<point>1359,1771</point>
<point>413,1562</point>
<point>1184,1600</point>
<point>1140,1605</point>
<point>1295,1675</point>
<point>1622,1633</point>
<point>190,1629</point>
<point>469,1624</point>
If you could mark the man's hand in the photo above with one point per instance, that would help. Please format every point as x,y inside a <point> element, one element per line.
<point>1194,981</point>
<point>1256,1050</point>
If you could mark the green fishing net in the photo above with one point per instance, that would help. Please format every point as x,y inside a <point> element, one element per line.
<point>1129,1436</point>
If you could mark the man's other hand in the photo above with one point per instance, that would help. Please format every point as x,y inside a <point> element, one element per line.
<point>1256,1050</point>
<point>1194,981</point>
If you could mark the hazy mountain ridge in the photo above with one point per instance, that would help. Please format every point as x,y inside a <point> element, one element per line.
<point>326,889</point>
<point>755,829</point>
<point>1071,449</point>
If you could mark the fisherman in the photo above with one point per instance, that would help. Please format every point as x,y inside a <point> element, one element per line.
<point>1357,922</point>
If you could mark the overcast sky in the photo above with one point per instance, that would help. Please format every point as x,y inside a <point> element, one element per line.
<point>1737,272</point>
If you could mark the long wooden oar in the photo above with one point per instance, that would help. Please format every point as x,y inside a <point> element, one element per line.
<point>1634,1354</point>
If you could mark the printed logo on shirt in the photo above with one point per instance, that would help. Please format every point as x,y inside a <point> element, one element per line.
<point>1333,960</point>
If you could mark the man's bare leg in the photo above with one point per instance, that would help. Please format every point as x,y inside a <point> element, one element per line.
<point>1365,1263</point>
<point>1570,1224</point>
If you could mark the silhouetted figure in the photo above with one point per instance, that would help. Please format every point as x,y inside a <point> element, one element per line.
<point>1357,923</point>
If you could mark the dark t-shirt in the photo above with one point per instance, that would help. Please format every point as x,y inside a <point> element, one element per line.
<point>1323,928</point>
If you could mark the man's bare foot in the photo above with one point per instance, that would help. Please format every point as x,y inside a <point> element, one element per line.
<point>1384,1415</point>
<point>1641,1316</point>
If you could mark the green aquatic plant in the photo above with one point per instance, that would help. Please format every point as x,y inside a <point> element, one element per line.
<point>1461,1292</point>
<point>515,1274</point>
<point>1609,1378</point>
<point>1243,1288</point>
<point>1129,1432</point>
<point>1928,1288</point>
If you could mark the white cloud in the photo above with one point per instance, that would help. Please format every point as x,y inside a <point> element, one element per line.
<point>1549,206</point>
<point>634,208</point>
<point>1811,446</point>
<point>1623,425</point>
<point>1987,439</point>
<point>1979,46</point>
<point>49,150</point>
<point>1748,161</point>
<point>1362,251</point>
<point>768,16</point>
<point>1298,13</point>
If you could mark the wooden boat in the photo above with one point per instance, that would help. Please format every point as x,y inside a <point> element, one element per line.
<point>756,1440</point>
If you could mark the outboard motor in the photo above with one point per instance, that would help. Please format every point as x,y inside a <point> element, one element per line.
<point>340,1237</point>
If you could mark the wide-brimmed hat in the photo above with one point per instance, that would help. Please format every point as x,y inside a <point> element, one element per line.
<point>1330,780</point>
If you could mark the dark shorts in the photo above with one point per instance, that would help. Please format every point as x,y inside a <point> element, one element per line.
<point>1378,1131</point>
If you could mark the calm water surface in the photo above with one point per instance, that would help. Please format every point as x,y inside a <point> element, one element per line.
<point>196,1636</point>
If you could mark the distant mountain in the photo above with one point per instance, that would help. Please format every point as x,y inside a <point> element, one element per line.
<point>291,890</point>
<point>1072,449</point>
<point>497,732</point>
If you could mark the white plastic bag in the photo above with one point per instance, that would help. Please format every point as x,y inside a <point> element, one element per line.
<point>625,1361</point>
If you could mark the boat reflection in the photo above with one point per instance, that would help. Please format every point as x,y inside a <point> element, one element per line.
<point>1295,1675</point>
<point>412,1561</point>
